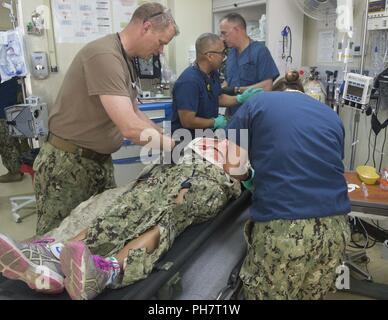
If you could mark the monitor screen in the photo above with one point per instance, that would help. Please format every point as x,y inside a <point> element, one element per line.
<point>376,6</point>
<point>355,91</point>
<point>149,69</point>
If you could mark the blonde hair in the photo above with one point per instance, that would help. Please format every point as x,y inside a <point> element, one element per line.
<point>160,17</point>
<point>235,18</point>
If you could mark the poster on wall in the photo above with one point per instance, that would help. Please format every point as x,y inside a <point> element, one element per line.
<point>12,58</point>
<point>81,21</point>
<point>326,44</point>
<point>122,11</point>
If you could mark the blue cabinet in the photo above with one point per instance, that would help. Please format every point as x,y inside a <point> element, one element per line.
<point>126,161</point>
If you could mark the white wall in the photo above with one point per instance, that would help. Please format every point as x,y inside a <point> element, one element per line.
<point>193,19</point>
<point>279,14</point>
<point>48,88</point>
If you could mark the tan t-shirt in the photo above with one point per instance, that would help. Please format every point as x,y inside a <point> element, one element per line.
<point>78,114</point>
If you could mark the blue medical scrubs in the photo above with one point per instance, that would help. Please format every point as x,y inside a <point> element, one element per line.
<point>296,147</point>
<point>197,92</point>
<point>255,64</point>
<point>8,95</point>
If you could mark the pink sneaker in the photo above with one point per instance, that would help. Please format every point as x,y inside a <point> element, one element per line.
<point>32,263</point>
<point>86,276</point>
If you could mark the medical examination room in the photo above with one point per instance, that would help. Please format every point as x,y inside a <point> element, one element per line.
<point>227,150</point>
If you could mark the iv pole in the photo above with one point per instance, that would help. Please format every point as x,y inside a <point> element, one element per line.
<point>357,116</point>
<point>9,6</point>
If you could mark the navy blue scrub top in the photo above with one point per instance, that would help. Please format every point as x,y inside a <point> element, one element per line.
<point>195,91</point>
<point>8,95</point>
<point>253,65</point>
<point>296,147</point>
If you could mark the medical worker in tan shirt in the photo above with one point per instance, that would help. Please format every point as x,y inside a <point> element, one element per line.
<point>95,109</point>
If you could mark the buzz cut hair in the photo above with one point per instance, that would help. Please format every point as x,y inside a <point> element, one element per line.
<point>205,41</point>
<point>236,18</point>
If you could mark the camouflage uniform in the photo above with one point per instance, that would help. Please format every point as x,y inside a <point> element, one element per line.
<point>10,149</point>
<point>293,260</point>
<point>151,201</point>
<point>62,181</point>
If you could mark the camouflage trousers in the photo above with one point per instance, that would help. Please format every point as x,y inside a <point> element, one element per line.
<point>150,201</point>
<point>293,260</point>
<point>62,181</point>
<point>10,149</point>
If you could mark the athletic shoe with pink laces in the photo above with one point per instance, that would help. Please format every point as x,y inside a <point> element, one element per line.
<point>32,263</point>
<point>86,276</point>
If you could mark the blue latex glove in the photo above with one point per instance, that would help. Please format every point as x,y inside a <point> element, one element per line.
<point>250,92</point>
<point>248,184</point>
<point>220,122</point>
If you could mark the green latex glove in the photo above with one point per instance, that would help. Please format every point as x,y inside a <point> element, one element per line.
<point>248,184</point>
<point>250,92</point>
<point>220,122</point>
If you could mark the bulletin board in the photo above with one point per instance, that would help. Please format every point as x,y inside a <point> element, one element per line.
<point>78,21</point>
<point>82,21</point>
<point>122,11</point>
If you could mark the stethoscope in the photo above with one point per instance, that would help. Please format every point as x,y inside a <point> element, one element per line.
<point>134,77</point>
<point>209,88</point>
<point>285,33</point>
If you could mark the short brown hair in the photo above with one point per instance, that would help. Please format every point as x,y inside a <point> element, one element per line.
<point>290,81</point>
<point>156,13</point>
<point>235,18</point>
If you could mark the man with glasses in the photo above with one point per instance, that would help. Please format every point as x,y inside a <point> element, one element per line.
<point>197,94</point>
<point>249,62</point>
<point>95,108</point>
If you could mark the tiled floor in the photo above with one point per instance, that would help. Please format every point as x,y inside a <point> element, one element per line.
<point>377,269</point>
<point>24,230</point>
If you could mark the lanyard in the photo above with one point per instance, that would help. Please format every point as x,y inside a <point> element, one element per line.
<point>134,77</point>
<point>207,80</point>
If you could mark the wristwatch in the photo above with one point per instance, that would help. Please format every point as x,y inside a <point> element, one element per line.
<point>237,90</point>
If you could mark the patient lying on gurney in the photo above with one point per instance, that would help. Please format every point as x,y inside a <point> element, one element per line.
<point>115,239</point>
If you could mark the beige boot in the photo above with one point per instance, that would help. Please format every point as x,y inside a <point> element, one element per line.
<point>11,177</point>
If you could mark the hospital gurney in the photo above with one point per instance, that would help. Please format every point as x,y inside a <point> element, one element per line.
<point>165,281</point>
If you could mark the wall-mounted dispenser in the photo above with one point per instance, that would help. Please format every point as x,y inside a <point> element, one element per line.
<point>39,65</point>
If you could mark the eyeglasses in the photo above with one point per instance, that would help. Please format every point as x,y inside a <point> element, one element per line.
<point>157,14</point>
